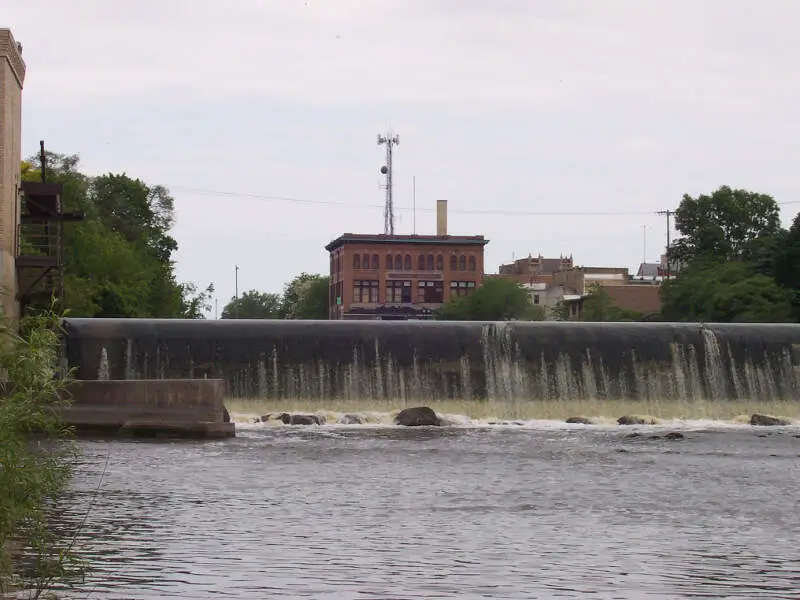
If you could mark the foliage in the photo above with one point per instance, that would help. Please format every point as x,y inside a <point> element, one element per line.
<point>306,297</point>
<point>560,312</point>
<point>498,299</point>
<point>253,305</point>
<point>725,292</point>
<point>34,468</point>
<point>600,306</point>
<point>723,224</point>
<point>119,261</point>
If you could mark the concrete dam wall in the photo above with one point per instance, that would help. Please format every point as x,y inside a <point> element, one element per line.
<point>409,360</point>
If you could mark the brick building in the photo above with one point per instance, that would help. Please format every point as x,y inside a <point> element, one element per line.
<point>12,76</point>
<point>402,276</point>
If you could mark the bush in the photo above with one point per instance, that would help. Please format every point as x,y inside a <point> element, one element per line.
<point>36,453</point>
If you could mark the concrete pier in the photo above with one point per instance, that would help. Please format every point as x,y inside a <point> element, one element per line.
<point>184,408</point>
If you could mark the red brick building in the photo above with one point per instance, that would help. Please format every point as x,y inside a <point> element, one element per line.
<point>401,276</point>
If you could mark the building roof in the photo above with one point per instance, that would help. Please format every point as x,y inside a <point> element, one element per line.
<point>427,240</point>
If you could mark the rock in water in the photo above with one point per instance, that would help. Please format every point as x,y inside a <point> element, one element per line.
<point>580,420</point>
<point>291,419</point>
<point>768,421</point>
<point>419,416</point>
<point>635,420</point>
<point>674,435</point>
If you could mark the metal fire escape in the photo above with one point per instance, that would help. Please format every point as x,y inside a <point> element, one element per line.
<point>40,245</point>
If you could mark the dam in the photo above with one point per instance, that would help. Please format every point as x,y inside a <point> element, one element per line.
<point>402,361</point>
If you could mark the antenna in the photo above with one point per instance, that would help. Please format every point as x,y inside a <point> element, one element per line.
<point>390,141</point>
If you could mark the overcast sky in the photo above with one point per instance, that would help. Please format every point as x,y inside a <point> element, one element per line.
<point>519,112</point>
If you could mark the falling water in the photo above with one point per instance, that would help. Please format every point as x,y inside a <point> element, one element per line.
<point>511,363</point>
<point>104,370</point>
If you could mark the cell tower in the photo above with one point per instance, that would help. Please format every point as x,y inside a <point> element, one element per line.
<point>390,141</point>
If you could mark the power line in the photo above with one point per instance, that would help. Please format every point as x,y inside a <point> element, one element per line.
<point>464,211</point>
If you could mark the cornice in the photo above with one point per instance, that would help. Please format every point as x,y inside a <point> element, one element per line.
<point>10,54</point>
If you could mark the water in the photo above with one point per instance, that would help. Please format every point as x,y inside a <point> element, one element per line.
<point>543,510</point>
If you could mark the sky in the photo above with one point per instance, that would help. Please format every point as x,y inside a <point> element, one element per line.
<point>551,126</point>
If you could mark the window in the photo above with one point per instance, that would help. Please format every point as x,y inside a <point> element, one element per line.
<point>461,288</point>
<point>356,261</point>
<point>536,298</point>
<point>365,291</point>
<point>453,262</point>
<point>421,262</point>
<point>430,262</point>
<point>365,261</point>
<point>462,263</point>
<point>389,262</point>
<point>376,264</point>
<point>472,263</point>
<point>430,292</point>
<point>398,262</point>
<point>407,265</point>
<point>439,262</point>
<point>398,291</point>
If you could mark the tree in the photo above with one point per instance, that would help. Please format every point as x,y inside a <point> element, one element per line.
<point>600,306</point>
<point>253,305</point>
<point>786,263</point>
<point>498,299</point>
<point>722,226</point>
<point>118,262</point>
<point>306,297</point>
<point>725,292</point>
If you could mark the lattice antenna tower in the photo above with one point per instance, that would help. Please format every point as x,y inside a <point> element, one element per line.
<point>390,141</point>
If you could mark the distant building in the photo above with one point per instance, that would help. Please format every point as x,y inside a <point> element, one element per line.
<point>12,77</point>
<point>402,276</point>
<point>578,279</point>
<point>536,266</point>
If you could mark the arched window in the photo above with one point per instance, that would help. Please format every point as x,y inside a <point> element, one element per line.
<point>375,262</point>
<point>462,263</point>
<point>407,265</point>
<point>439,262</point>
<point>398,262</point>
<point>356,261</point>
<point>365,261</point>
<point>453,262</point>
<point>421,262</point>
<point>430,262</point>
<point>472,265</point>
<point>389,262</point>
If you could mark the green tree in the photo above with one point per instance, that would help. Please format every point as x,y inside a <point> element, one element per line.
<point>724,292</point>
<point>600,306</point>
<point>723,225</point>
<point>118,262</point>
<point>253,305</point>
<point>498,299</point>
<point>306,297</point>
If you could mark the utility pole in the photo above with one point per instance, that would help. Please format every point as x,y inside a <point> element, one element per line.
<point>390,141</point>
<point>236,292</point>
<point>414,205</point>
<point>668,214</point>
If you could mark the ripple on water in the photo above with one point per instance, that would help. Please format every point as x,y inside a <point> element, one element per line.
<point>456,513</point>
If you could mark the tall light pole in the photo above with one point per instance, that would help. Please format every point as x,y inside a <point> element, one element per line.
<point>668,214</point>
<point>390,141</point>
<point>236,292</point>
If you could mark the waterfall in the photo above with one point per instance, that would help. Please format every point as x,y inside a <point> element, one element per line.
<point>104,372</point>
<point>503,362</point>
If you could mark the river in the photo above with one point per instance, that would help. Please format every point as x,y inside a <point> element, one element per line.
<point>543,510</point>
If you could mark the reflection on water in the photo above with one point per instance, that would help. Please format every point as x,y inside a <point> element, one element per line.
<point>292,512</point>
